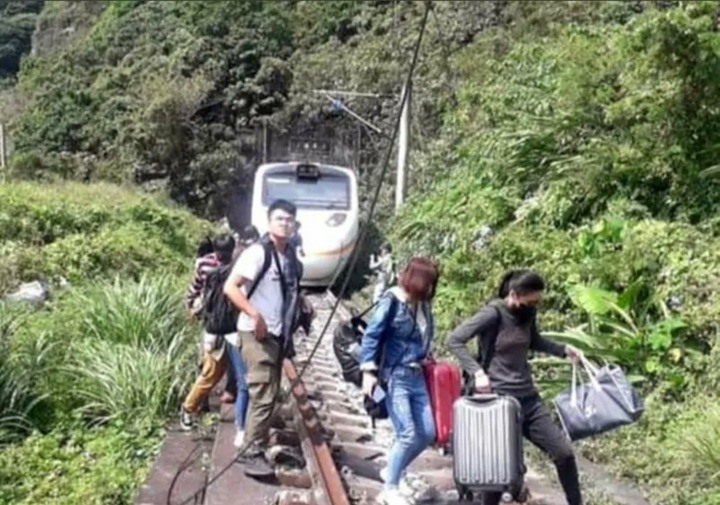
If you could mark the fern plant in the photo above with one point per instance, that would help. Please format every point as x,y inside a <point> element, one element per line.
<point>629,329</point>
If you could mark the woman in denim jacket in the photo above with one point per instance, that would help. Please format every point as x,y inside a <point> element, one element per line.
<point>406,342</point>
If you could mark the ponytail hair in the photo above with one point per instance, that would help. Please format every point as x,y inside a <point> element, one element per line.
<point>520,281</point>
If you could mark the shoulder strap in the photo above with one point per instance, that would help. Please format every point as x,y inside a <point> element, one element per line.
<point>364,312</point>
<point>392,312</point>
<point>283,282</point>
<point>489,353</point>
<point>267,247</point>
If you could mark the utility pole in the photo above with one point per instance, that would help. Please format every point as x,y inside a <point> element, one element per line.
<point>403,149</point>
<point>403,134</point>
<point>3,153</point>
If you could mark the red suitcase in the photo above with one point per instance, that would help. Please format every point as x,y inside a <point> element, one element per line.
<point>443,383</point>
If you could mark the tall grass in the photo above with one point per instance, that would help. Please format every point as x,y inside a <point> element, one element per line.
<point>700,443</point>
<point>135,355</point>
<point>18,396</point>
<point>119,350</point>
<point>142,313</point>
<point>129,383</point>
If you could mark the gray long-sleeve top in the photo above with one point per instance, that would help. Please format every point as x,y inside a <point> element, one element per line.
<point>509,371</point>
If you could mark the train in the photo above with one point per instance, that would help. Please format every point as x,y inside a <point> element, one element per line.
<point>328,210</point>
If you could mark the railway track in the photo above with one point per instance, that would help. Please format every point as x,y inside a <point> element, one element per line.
<point>359,450</point>
<point>331,454</point>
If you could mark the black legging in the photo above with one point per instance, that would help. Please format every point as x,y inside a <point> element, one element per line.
<point>539,428</point>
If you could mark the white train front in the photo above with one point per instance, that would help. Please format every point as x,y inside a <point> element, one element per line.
<point>326,197</point>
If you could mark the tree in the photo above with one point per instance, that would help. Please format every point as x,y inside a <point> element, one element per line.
<point>17,22</point>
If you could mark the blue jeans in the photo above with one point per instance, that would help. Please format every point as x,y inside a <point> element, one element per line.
<point>409,408</point>
<point>241,399</point>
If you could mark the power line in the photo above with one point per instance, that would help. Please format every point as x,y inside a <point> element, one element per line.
<point>385,164</point>
<point>338,92</point>
<point>346,282</point>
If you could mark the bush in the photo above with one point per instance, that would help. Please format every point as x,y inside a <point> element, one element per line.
<point>19,399</point>
<point>658,454</point>
<point>90,231</point>
<point>700,444</point>
<point>121,349</point>
<point>134,359</point>
<point>74,465</point>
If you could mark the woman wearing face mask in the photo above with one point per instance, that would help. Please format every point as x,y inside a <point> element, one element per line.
<point>512,319</point>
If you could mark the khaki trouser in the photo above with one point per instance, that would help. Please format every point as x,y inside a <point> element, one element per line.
<point>263,362</point>
<point>212,371</point>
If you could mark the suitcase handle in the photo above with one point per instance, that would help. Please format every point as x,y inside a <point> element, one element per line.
<point>485,397</point>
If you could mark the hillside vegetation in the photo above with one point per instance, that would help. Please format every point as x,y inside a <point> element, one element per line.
<point>87,382</point>
<point>168,94</point>
<point>579,139</point>
<point>591,156</point>
<point>17,23</point>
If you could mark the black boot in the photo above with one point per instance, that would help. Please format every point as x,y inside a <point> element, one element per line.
<point>252,459</point>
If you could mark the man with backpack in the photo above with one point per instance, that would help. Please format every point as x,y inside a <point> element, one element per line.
<point>207,283</point>
<point>264,287</point>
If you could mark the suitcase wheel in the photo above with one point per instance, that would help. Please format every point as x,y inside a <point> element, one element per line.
<point>465,495</point>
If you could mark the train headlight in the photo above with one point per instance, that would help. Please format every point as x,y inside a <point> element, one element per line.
<point>336,219</point>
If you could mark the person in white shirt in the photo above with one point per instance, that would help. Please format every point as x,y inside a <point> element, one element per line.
<point>382,266</point>
<point>267,302</point>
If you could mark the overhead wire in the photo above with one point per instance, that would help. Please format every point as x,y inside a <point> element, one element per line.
<point>384,168</point>
<point>353,262</point>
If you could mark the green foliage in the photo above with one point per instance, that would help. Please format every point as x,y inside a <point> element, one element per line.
<point>76,465</point>
<point>140,331</point>
<point>589,155</point>
<point>17,22</point>
<point>156,93</point>
<point>89,231</point>
<point>633,333</point>
<point>113,350</point>
<point>577,110</point>
<point>166,94</point>
<point>661,452</point>
<point>19,400</point>
<point>700,444</point>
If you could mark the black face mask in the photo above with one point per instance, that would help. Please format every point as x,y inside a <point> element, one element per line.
<point>524,313</point>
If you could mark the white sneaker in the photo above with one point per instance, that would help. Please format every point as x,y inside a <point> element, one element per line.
<point>413,487</point>
<point>405,488</point>
<point>392,497</point>
<point>239,439</point>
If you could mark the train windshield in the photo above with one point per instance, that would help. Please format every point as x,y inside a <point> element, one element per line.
<point>329,191</point>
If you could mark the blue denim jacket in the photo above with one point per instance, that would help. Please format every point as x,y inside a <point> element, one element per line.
<point>404,343</point>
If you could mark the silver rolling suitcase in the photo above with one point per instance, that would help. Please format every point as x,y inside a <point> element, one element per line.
<point>487,448</point>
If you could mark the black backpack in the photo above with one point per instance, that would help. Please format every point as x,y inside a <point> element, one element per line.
<point>219,314</point>
<point>346,338</point>
<point>348,335</point>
